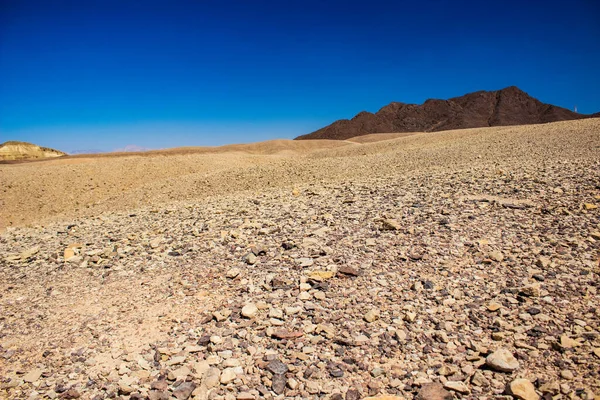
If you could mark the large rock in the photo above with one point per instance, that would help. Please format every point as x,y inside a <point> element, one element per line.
<point>433,391</point>
<point>502,360</point>
<point>522,389</point>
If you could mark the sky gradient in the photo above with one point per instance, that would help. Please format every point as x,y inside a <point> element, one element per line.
<point>101,74</point>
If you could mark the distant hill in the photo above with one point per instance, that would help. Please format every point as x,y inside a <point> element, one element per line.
<point>509,106</point>
<point>13,150</point>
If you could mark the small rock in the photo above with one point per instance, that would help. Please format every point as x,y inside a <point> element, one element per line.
<point>278,383</point>
<point>227,375</point>
<point>502,360</point>
<point>372,315</point>
<point>250,259</point>
<point>345,270</point>
<point>320,276</point>
<point>566,374</point>
<point>522,389</point>
<point>390,225</point>
<point>33,375</point>
<point>184,390</point>
<point>212,377</point>
<point>276,367</point>
<point>496,256</point>
<point>249,310</point>
<point>233,273</point>
<point>433,391</point>
<point>457,386</point>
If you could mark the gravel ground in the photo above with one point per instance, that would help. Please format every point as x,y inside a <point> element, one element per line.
<point>457,264</point>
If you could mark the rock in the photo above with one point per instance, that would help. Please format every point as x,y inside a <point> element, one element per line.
<point>32,375</point>
<point>184,390</point>
<point>502,360</point>
<point>372,315</point>
<point>278,383</point>
<point>522,389</point>
<point>543,262</point>
<point>390,225</point>
<point>346,270</point>
<point>384,397</point>
<point>433,391</point>
<point>250,259</point>
<point>496,256</point>
<point>68,253</point>
<point>296,192</point>
<point>532,290</point>
<point>566,374</point>
<point>227,375</point>
<point>245,396</point>
<point>568,343</point>
<point>285,334</point>
<point>233,273</point>
<point>249,310</point>
<point>304,262</point>
<point>212,377</point>
<point>493,306</point>
<point>457,386</point>
<point>29,253</point>
<point>353,394</point>
<point>276,367</point>
<point>320,276</point>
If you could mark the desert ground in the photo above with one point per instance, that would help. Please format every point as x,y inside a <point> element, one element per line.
<point>458,264</point>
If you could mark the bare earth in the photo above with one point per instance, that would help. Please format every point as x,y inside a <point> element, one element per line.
<point>399,264</point>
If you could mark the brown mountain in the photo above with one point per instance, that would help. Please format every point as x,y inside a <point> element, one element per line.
<point>13,150</point>
<point>509,106</point>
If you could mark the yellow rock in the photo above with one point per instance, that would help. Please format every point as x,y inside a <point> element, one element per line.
<point>590,206</point>
<point>320,275</point>
<point>75,246</point>
<point>568,343</point>
<point>296,192</point>
<point>69,252</point>
<point>493,306</point>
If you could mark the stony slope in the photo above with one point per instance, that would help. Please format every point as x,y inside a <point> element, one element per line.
<point>443,265</point>
<point>13,150</point>
<point>509,106</point>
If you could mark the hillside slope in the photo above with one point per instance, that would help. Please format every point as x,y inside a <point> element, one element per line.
<point>13,150</point>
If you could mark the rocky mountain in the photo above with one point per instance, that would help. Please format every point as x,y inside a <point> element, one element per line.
<point>509,106</point>
<point>13,150</point>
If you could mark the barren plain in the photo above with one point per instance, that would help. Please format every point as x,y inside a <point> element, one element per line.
<point>456,264</point>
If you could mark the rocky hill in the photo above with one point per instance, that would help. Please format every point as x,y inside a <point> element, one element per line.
<point>13,150</point>
<point>509,106</point>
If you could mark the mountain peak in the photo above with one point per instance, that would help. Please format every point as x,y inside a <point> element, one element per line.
<point>507,106</point>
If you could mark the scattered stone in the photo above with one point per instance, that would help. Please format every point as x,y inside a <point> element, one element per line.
<point>390,225</point>
<point>433,391</point>
<point>184,390</point>
<point>276,367</point>
<point>457,386</point>
<point>372,315</point>
<point>249,310</point>
<point>522,389</point>
<point>502,360</point>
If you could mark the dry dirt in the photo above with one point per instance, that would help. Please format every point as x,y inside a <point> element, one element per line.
<point>433,265</point>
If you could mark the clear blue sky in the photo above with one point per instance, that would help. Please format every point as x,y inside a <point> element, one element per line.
<point>101,74</point>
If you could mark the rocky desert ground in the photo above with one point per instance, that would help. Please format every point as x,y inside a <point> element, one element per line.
<point>459,264</point>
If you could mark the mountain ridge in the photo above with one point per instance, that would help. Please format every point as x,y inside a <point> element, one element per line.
<point>508,106</point>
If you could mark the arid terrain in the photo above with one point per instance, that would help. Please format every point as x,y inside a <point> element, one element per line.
<point>456,264</point>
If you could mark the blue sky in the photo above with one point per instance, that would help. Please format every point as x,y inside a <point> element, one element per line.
<point>102,74</point>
